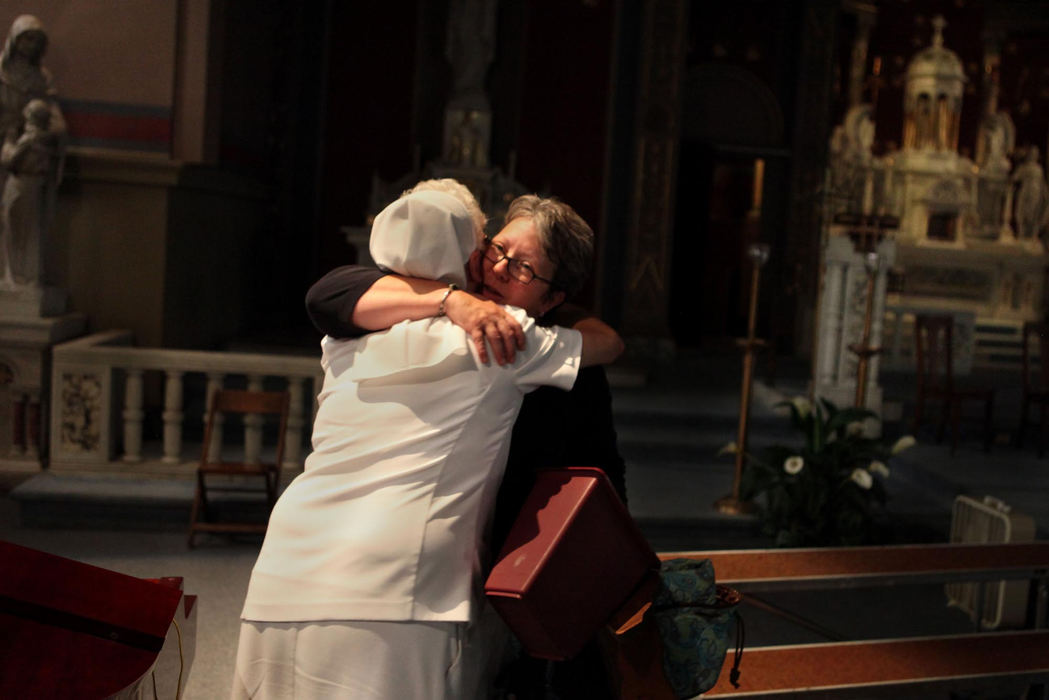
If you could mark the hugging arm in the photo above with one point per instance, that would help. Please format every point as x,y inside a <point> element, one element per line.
<point>353,300</point>
<point>601,344</point>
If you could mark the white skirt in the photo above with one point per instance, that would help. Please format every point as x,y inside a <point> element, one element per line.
<point>363,659</point>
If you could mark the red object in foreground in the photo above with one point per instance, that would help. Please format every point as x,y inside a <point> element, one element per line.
<point>573,558</point>
<point>70,630</point>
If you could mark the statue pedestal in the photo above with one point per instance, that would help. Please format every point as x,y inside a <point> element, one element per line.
<point>25,378</point>
<point>32,302</point>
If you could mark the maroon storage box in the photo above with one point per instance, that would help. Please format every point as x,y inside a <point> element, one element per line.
<point>572,559</point>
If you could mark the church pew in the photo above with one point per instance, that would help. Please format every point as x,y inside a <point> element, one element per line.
<point>910,667</point>
<point>843,567</point>
<point>888,667</point>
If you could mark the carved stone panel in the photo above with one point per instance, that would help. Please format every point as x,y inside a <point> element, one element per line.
<point>80,412</point>
<point>80,397</point>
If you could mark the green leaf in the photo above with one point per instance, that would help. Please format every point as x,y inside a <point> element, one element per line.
<point>845,416</point>
<point>829,407</point>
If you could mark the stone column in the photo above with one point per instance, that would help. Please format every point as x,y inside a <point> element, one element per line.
<point>809,167</point>
<point>649,235</point>
<point>841,318</point>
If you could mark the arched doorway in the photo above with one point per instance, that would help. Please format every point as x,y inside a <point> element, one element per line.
<point>731,191</point>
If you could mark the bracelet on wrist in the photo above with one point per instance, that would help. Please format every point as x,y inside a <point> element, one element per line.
<point>451,288</point>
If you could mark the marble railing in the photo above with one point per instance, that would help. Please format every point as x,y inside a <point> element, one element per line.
<point>98,388</point>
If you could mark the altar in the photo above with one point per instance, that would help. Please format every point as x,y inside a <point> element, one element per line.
<point>967,242</point>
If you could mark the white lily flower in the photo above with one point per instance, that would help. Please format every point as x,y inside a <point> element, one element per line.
<point>854,429</point>
<point>793,465</point>
<point>905,442</point>
<point>729,449</point>
<point>862,477</point>
<point>879,468</point>
<point>802,406</point>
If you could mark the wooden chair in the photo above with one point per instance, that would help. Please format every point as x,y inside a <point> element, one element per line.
<point>234,402</point>
<point>1035,387</point>
<point>933,337</point>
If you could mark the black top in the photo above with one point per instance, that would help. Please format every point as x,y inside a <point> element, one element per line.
<point>555,428</point>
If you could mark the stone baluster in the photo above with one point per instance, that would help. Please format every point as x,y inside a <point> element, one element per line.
<point>293,432</point>
<point>172,417</point>
<point>253,426</point>
<point>215,446</point>
<point>133,415</point>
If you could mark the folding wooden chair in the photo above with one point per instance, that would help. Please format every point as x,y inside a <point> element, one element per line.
<point>1035,387</point>
<point>935,380</point>
<point>234,402</point>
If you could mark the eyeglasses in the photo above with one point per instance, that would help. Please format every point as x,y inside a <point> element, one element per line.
<point>519,269</point>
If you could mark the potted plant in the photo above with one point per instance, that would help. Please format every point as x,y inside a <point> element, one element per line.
<point>827,490</point>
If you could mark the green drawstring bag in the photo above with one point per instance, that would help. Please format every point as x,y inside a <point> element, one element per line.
<point>694,616</point>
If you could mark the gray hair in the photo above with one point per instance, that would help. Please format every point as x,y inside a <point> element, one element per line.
<point>461,193</point>
<point>567,240</point>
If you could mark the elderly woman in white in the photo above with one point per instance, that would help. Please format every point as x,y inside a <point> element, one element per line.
<point>367,581</point>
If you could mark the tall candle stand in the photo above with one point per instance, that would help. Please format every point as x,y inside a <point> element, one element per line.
<point>733,504</point>
<point>863,350</point>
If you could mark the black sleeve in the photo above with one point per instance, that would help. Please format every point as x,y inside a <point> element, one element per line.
<point>331,300</point>
<point>594,442</point>
<point>557,428</point>
<point>566,315</point>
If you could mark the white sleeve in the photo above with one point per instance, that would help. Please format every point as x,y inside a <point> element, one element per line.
<point>551,356</point>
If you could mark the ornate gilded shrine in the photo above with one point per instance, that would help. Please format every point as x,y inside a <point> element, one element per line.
<point>962,247</point>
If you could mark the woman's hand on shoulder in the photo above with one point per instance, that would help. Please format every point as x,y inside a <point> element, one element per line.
<point>486,321</point>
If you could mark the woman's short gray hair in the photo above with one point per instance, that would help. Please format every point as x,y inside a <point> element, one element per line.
<point>460,192</point>
<point>567,240</point>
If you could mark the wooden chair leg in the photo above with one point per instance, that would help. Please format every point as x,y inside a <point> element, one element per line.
<point>271,490</point>
<point>988,424</point>
<point>1043,428</point>
<point>205,504</point>
<point>955,417</point>
<point>945,410</point>
<point>919,409</point>
<point>1025,406</point>
<point>194,512</point>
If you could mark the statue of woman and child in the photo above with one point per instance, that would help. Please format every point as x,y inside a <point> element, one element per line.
<point>33,133</point>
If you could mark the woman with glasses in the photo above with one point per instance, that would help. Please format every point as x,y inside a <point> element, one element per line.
<point>555,428</point>
<point>365,584</point>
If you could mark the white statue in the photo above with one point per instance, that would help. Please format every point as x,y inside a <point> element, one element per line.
<point>859,133</point>
<point>1032,196</point>
<point>22,78</point>
<point>33,130</point>
<point>470,49</point>
<point>998,135</point>
<point>31,163</point>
